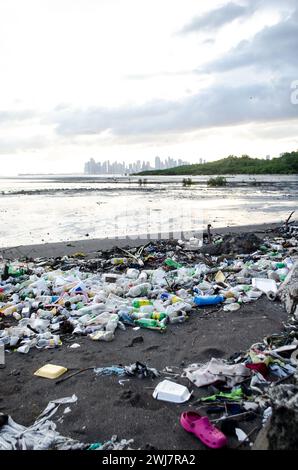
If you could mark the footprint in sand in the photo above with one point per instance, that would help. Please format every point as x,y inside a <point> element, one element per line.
<point>211,352</point>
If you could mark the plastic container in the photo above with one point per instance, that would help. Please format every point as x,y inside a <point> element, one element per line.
<point>172,392</point>
<point>201,300</point>
<point>264,285</point>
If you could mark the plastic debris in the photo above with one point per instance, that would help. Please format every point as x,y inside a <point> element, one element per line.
<point>172,392</point>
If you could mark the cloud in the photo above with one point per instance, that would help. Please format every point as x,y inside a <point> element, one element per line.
<point>219,105</point>
<point>216,18</point>
<point>273,48</point>
<point>231,11</point>
<point>14,116</point>
<point>16,145</point>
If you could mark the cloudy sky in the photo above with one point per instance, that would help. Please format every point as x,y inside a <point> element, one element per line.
<point>132,79</point>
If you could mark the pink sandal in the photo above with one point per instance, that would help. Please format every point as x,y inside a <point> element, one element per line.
<point>201,427</point>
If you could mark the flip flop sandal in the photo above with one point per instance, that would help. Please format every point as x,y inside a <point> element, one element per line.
<point>201,427</point>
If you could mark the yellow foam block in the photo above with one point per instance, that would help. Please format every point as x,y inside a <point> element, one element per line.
<point>50,371</point>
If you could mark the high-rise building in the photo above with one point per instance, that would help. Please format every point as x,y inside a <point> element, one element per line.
<point>120,168</point>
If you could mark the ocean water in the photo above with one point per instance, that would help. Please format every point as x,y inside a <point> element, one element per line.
<point>51,209</point>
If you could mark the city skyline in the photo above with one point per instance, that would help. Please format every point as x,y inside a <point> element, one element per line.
<point>107,167</point>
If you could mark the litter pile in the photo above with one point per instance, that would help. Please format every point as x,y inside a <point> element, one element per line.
<point>42,435</point>
<point>161,285</point>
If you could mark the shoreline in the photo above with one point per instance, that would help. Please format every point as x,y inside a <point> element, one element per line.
<point>55,249</point>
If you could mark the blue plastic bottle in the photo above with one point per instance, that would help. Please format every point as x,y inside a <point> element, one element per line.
<point>202,300</point>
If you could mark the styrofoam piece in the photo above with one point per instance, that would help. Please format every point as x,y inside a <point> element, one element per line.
<point>50,371</point>
<point>172,392</point>
<point>264,285</point>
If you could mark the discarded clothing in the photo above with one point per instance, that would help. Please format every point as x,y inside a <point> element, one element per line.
<point>217,370</point>
<point>261,368</point>
<point>235,395</point>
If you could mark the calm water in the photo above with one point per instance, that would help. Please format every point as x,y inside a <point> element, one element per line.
<point>63,209</point>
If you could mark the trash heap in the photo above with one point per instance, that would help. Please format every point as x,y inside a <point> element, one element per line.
<point>42,434</point>
<point>153,287</point>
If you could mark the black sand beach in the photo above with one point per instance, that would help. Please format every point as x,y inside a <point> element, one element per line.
<point>104,406</point>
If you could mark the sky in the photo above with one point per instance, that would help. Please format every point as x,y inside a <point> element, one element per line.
<point>134,79</point>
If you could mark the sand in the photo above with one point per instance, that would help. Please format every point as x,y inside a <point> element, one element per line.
<point>104,406</point>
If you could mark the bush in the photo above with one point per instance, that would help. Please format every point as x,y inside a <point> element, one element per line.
<point>187,182</point>
<point>218,181</point>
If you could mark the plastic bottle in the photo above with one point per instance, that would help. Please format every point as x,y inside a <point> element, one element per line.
<point>147,308</point>
<point>47,299</point>
<point>173,309</point>
<point>132,273</point>
<point>48,343</point>
<point>201,300</point>
<point>180,319</point>
<point>9,310</point>
<point>117,261</point>
<point>16,272</point>
<point>282,273</point>
<point>139,315</point>
<point>151,324</point>
<point>137,303</point>
<point>112,323</point>
<point>172,264</point>
<point>139,290</point>
<point>278,265</point>
<point>90,309</point>
<point>158,316</point>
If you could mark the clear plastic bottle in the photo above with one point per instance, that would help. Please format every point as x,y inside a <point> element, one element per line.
<point>139,290</point>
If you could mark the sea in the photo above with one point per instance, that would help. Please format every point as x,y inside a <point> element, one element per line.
<point>52,208</point>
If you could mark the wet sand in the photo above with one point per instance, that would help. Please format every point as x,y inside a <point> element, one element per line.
<point>91,246</point>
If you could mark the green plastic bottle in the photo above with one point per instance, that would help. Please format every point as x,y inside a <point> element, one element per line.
<point>172,264</point>
<point>16,272</point>
<point>158,316</point>
<point>150,323</point>
<point>137,303</point>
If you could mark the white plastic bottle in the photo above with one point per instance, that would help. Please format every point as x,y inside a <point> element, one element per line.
<point>139,290</point>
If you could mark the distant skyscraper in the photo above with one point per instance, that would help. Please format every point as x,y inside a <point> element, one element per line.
<point>157,163</point>
<point>120,168</point>
<point>268,157</point>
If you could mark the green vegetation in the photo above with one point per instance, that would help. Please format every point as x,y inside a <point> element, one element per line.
<point>187,182</point>
<point>232,165</point>
<point>218,181</point>
<point>142,182</point>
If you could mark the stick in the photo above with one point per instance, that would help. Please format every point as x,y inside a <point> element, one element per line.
<point>72,375</point>
<point>248,435</point>
<point>288,219</point>
<point>209,233</point>
<point>223,418</point>
<point>282,380</point>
